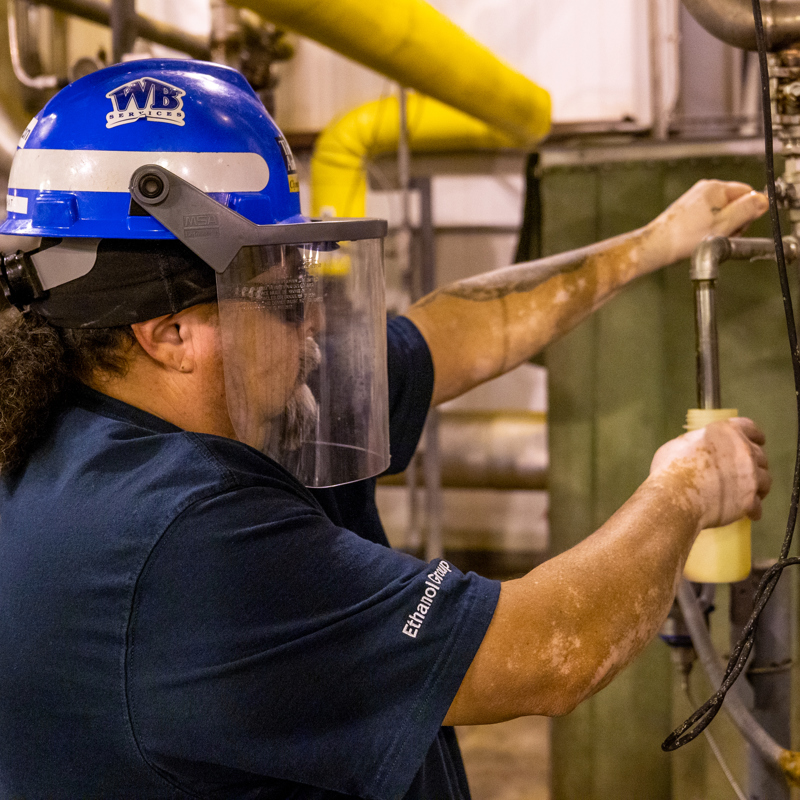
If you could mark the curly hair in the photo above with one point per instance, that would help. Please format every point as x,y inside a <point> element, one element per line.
<point>39,366</point>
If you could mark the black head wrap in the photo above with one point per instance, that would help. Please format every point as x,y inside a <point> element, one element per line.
<point>131,281</point>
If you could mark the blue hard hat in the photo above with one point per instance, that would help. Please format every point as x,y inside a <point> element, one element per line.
<point>201,121</point>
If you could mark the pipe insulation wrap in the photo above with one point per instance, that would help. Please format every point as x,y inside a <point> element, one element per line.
<point>412,43</point>
<point>341,153</point>
<point>732,21</point>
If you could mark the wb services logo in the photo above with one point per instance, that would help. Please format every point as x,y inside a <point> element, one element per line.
<point>146,98</point>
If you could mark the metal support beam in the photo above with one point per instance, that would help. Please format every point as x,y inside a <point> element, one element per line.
<point>434,543</point>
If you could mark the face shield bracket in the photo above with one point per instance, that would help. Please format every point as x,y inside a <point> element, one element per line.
<point>216,233</point>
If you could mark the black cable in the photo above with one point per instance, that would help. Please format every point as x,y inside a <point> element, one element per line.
<point>701,718</point>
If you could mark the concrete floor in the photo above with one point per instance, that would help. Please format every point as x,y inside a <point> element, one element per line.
<point>508,761</point>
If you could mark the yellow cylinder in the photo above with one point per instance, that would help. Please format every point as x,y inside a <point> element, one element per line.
<point>417,46</point>
<point>339,163</point>
<point>719,555</point>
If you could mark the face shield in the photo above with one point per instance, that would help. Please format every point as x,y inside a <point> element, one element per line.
<point>302,326</point>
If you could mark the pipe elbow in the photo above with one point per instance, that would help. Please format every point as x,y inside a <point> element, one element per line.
<point>707,257</point>
<point>338,164</point>
<point>732,22</point>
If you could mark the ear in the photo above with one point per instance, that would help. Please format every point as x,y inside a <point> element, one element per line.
<point>172,340</point>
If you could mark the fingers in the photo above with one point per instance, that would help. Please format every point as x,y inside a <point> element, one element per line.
<point>735,189</point>
<point>749,429</point>
<point>763,479</point>
<point>739,212</point>
<point>764,482</point>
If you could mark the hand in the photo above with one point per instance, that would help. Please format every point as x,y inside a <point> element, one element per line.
<point>722,467</point>
<point>710,207</point>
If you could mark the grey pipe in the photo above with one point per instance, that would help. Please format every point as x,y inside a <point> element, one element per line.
<point>713,250</point>
<point>124,31</point>
<point>146,28</point>
<point>706,258</point>
<point>769,674</point>
<point>732,21</point>
<point>705,319</point>
<point>772,753</point>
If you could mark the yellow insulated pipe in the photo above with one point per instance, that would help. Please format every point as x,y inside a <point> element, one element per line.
<point>338,166</point>
<point>415,45</point>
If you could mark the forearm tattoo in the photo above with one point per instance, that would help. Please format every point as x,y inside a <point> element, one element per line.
<point>517,279</point>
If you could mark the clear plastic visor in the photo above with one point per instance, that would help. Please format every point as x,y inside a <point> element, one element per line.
<point>303,331</point>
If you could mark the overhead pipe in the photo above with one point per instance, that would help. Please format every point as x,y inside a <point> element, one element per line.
<point>732,21</point>
<point>152,30</point>
<point>343,149</point>
<point>412,43</point>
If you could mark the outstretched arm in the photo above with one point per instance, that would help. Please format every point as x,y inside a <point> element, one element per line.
<point>563,631</point>
<point>484,326</point>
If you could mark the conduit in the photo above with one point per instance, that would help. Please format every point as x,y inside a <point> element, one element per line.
<point>732,21</point>
<point>338,165</point>
<point>412,43</point>
<point>777,757</point>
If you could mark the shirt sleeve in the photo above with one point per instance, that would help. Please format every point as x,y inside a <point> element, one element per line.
<point>295,649</point>
<point>410,389</point>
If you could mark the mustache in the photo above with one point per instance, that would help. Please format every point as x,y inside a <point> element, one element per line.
<point>310,359</point>
<point>298,422</point>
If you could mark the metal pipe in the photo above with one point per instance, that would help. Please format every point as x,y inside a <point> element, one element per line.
<point>707,353</point>
<point>769,673</point>
<point>732,21</point>
<point>771,752</point>
<point>124,30</point>
<point>412,473</point>
<point>434,540</point>
<point>226,33</point>
<point>21,74</point>
<point>150,29</point>
<point>706,258</point>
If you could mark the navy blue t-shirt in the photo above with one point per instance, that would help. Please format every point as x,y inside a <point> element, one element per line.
<point>180,618</point>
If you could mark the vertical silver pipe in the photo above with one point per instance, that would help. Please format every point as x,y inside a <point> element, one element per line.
<point>708,389</point>
<point>414,530</point>
<point>124,28</point>
<point>404,164</point>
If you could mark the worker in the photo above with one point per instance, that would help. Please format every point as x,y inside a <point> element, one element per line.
<point>196,386</point>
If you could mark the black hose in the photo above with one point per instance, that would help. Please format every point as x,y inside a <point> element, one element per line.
<point>697,722</point>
